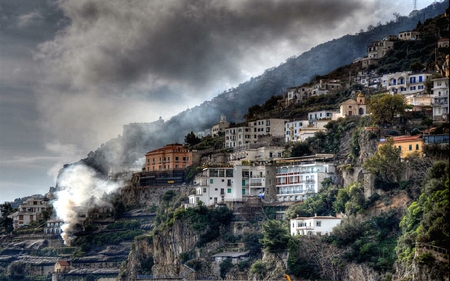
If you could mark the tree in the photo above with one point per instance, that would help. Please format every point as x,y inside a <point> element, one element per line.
<point>386,162</point>
<point>191,139</point>
<point>275,236</point>
<point>300,149</point>
<point>385,107</point>
<point>6,222</point>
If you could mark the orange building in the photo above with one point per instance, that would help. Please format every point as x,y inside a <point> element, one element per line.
<point>170,157</point>
<point>407,144</point>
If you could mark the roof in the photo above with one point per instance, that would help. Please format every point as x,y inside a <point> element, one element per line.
<point>407,138</point>
<point>63,263</point>
<point>317,217</point>
<point>231,254</point>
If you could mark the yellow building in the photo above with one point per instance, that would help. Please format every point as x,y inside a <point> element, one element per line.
<point>407,144</point>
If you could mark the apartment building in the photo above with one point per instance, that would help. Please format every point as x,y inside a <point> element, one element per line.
<point>301,180</point>
<point>29,211</point>
<point>239,136</point>
<point>229,184</point>
<point>439,99</point>
<point>170,157</point>
<point>405,83</point>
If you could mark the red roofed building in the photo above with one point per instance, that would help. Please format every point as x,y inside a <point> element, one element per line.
<point>170,157</point>
<point>62,266</point>
<point>407,144</point>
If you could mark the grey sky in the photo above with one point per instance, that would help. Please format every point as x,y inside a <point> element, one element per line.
<point>73,72</point>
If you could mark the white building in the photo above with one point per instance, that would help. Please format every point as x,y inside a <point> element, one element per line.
<point>323,114</point>
<point>228,184</point>
<point>293,128</point>
<point>204,133</point>
<point>317,225</point>
<point>405,83</point>
<point>439,98</point>
<point>53,227</point>
<point>29,211</point>
<point>303,129</point>
<point>299,181</point>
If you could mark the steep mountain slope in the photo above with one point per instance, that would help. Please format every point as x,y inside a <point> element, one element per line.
<point>234,103</point>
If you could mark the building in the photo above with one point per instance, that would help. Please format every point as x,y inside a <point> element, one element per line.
<point>228,184</point>
<point>250,134</point>
<point>443,43</point>
<point>409,35</point>
<point>170,157</point>
<point>406,144</point>
<point>317,225</point>
<point>235,257</point>
<point>324,87</point>
<point>439,99</point>
<point>419,101</point>
<point>237,136</point>
<point>62,267</point>
<point>29,211</point>
<point>301,179</point>
<point>405,83</point>
<point>293,128</point>
<point>354,107</point>
<point>252,153</point>
<point>323,115</point>
<point>220,127</point>
<point>53,227</point>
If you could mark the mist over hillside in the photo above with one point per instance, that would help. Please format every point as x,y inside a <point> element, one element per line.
<point>322,59</point>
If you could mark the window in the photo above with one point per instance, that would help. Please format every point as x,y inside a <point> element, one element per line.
<point>211,181</point>
<point>410,147</point>
<point>229,190</point>
<point>204,190</point>
<point>417,146</point>
<point>243,191</point>
<point>318,223</point>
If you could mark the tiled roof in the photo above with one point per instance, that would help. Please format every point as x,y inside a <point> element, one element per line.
<point>63,263</point>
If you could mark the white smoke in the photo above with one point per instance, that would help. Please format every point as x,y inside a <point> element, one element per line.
<point>79,190</point>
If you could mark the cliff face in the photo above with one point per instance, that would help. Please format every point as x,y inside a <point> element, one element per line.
<point>167,247</point>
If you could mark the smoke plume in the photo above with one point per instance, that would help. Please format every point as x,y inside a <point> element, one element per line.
<point>79,190</point>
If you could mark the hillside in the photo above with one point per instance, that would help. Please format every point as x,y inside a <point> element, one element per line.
<point>235,102</point>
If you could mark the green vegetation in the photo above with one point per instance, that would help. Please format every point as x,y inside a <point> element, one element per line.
<point>427,218</point>
<point>386,162</point>
<point>384,108</point>
<point>275,236</point>
<point>206,222</point>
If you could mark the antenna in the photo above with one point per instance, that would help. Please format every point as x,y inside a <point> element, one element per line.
<point>415,4</point>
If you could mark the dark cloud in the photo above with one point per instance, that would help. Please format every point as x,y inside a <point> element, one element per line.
<point>72,72</point>
<point>182,42</point>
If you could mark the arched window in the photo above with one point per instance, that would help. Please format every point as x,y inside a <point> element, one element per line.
<point>361,111</point>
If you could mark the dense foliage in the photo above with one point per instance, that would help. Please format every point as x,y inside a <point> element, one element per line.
<point>207,222</point>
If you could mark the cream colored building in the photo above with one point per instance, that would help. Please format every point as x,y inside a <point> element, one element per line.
<point>409,35</point>
<point>354,107</point>
<point>220,127</point>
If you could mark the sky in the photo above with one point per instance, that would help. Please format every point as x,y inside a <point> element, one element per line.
<point>73,72</point>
